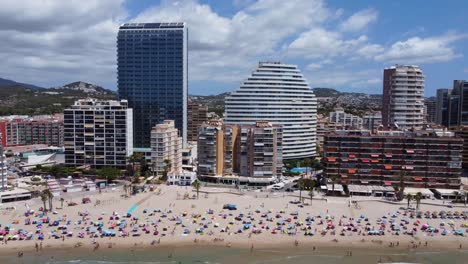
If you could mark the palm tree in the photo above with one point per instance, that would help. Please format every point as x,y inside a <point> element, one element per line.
<point>409,197</point>
<point>334,180</point>
<point>311,195</point>
<point>44,200</point>
<point>400,190</point>
<point>418,198</point>
<point>457,196</point>
<point>300,185</point>
<point>167,168</point>
<point>50,196</point>
<point>61,202</point>
<point>197,185</point>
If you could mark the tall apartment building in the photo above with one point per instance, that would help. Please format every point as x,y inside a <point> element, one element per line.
<point>215,148</point>
<point>458,104</point>
<point>340,117</point>
<point>430,111</point>
<point>246,154</point>
<point>442,106</point>
<point>98,133</point>
<point>403,97</point>
<point>25,130</point>
<point>277,93</point>
<point>197,114</point>
<point>152,75</point>
<point>166,148</point>
<point>426,159</point>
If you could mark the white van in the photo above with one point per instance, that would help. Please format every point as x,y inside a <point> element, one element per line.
<point>278,186</point>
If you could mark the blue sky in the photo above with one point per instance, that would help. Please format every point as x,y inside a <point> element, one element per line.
<point>338,44</point>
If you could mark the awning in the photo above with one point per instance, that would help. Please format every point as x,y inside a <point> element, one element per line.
<point>364,182</point>
<point>365,160</point>
<point>418,178</point>
<point>352,155</point>
<point>387,183</point>
<point>409,167</point>
<point>344,176</point>
<point>374,155</point>
<point>344,159</point>
<point>352,171</point>
<point>331,159</point>
<point>388,167</point>
<point>409,151</point>
<point>388,155</point>
<point>374,161</point>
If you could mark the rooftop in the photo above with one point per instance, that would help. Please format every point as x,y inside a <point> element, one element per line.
<point>152,25</point>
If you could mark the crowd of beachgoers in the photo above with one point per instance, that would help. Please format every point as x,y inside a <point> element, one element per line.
<point>225,219</point>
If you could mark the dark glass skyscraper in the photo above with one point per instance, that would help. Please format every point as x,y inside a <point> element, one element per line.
<point>152,75</point>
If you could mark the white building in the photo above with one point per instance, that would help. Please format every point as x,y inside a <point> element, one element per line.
<point>166,145</point>
<point>278,93</point>
<point>340,117</point>
<point>403,97</point>
<point>98,133</point>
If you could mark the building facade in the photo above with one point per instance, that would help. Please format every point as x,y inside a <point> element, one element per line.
<point>98,133</point>
<point>442,106</point>
<point>458,104</point>
<point>372,121</point>
<point>277,93</point>
<point>152,75</point>
<point>197,114</point>
<point>340,117</point>
<point>430,111</point>
<point>426,159</point>
<point>166,148</point>
<point>245,154</point>
<point>403,97</point>
<point>462,132</point>
<point>25,130</point>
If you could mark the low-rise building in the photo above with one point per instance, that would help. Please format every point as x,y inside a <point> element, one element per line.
<point>340,117</point>
<point>26,130</point>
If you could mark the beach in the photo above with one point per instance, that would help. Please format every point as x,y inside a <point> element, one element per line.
<point>171,219</point>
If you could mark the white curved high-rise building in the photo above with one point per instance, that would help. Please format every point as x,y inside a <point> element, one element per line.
<point>278,93</point>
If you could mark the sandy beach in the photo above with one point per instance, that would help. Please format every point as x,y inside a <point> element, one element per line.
<point>164,219</point>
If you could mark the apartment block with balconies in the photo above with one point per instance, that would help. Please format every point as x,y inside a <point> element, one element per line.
<point>425,159</point>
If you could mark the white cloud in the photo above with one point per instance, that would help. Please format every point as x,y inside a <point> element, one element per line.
<point>359,20</point>
<point>422,50</point>
<point>47,42</point>
<point>361,80</point>
<point>52,41</point>
<point>221,47</point>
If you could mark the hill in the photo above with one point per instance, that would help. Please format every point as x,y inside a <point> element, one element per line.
<point>23,100</point>
<point>6,82</point>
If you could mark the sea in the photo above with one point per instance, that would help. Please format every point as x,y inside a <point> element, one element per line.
<point>207,255</point>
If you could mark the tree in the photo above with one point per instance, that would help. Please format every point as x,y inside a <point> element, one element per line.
<point>109,174</point>
<point>311,195</point>
<point>300,185</point>
<point>457,196</point>
<point>400,190</point>
<point>409,197</point>
<point>49,196</point>
<point>334,180</point>
<point>418,198</point>
<point>61,202</point>
<point>44,200</point>
<point>167,169</point>
<point>196,184</point>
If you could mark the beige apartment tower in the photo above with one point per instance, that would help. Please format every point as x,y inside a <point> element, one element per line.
<point>166,148</point>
